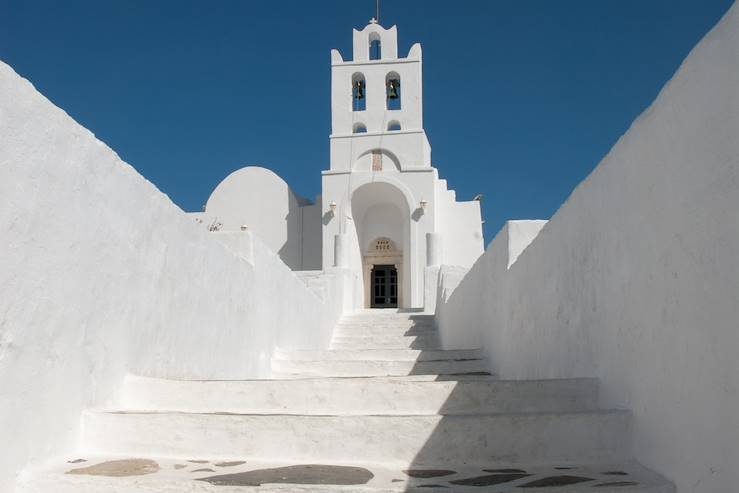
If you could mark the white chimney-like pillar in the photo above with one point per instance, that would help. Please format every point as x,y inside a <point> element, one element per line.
<point>341,250</point>
<point>433,249</point>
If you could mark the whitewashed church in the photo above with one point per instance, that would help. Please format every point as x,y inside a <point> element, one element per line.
<point>143,348</point>
<point>384,211</point>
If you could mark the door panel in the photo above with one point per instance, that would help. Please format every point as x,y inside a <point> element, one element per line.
<point>384,286</point>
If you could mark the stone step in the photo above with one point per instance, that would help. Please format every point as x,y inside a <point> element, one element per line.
<point>205,475</point>
<point>387,319</point>
<point>380,355</point>
<point>353,319</point>
<point>424,394</point>
<point>355,331</point>
<point>370,368</point>
<point>427,341</point>
<point>386,314</point>
<point>534,438</point>
<point>385,324</point>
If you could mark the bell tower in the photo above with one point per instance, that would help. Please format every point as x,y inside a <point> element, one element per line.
<point>377,101</point>
<point>381,188</point>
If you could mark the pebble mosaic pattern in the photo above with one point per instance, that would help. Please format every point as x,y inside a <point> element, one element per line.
<point>230,463</point>
<point>428,473</point>
<point>119,468</point>
<point>555,481</point>
<point>520,479</point>
<point>489,479</point>
<point>466,479</point>
<point>303,474</point>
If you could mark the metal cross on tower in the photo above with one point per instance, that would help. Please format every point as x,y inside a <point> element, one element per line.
<point>376,18</point>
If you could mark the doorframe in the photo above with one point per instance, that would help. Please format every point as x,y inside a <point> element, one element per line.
<point>386,257</point>
<point>386,268</point>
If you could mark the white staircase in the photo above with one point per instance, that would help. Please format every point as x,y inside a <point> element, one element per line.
<point>383,410</point>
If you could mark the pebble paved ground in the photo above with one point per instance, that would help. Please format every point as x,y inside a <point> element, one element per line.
<point>227,476</point>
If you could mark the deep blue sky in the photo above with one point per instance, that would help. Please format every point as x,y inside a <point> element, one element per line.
<point>522,98</point>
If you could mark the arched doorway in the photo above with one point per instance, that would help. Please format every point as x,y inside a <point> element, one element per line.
<point>381,220</point>
<point>382,266</point>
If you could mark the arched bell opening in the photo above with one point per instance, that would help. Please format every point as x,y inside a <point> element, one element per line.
<point>359,97</point>
<point>375,46</point>
<point>392,91</point>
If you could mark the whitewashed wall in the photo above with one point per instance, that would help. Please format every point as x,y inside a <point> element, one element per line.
<point>635,280</point>
<point>257,198</point>
<point>101,275</point>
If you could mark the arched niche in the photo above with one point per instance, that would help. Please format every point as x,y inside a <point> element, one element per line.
<point>382,222</point>
<point>377,160</point>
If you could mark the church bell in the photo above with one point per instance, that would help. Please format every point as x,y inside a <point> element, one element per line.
<point>358,89</point>
<point>392,88</point>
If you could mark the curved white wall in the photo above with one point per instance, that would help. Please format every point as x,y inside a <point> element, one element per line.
<point>102,275</point>
<point>259,199</point>
<point>635,280</point>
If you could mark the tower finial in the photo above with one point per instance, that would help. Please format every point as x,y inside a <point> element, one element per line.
<point>376,18</point>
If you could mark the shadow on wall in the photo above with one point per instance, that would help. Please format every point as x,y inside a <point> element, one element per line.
<point>291,251</point>
<point>474,430</point>
<point>303,236</point>
<point>635,279</point>
<point>327,217</point>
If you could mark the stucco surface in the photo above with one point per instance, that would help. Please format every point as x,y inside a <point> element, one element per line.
<point>257,199</point>
<point>102,275</point>
<point>635,280</point>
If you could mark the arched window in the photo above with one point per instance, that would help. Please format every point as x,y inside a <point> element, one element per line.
<point>392,91</point>
<point>359,97</point>
<point>375,48</point>
<point>393,126</point>
<point>359,128</point>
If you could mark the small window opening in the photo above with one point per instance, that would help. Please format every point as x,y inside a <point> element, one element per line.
<point>392,91</point>
<point>359,99</point>
<point>393,126</point>
<point>375,50</point>
<point>360,128</point>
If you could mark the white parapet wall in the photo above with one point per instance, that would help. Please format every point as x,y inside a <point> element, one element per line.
<point>101,275</point>
<point>635,280</point>
<point>489,271</point>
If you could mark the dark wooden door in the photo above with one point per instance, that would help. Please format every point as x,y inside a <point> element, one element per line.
<point>384,285</point>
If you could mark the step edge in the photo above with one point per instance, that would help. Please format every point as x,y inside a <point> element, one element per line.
<point>374,379</point>
<point>142,412</point>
